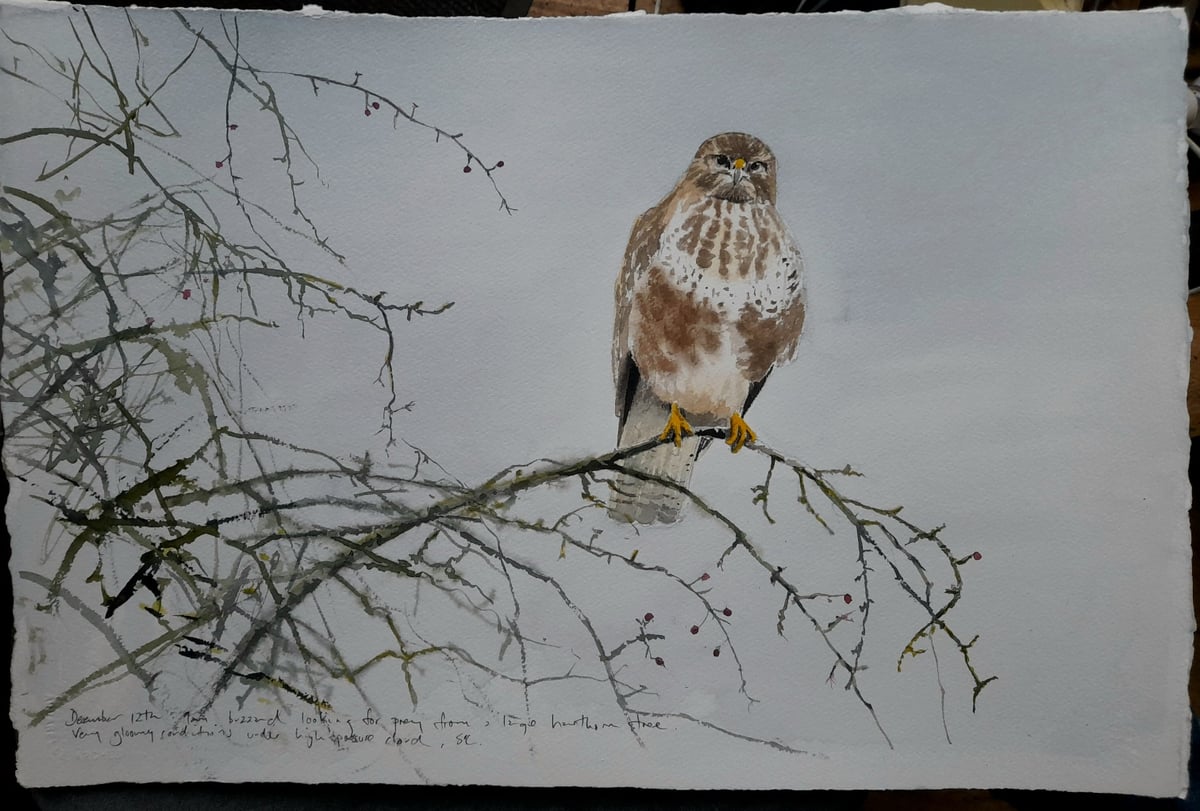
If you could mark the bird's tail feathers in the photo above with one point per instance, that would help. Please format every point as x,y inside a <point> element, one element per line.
<point>641,500</point>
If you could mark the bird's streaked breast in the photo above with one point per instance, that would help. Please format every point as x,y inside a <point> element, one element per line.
<point>733,253</point>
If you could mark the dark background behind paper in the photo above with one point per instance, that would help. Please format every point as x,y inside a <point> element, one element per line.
<point>370,797</point>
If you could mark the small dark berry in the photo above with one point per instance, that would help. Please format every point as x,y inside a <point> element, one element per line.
<point>220,164</point>
<point>467,168</point>
<point>658,660</point>
<point>499,164</point>
<point>848,599</point>
<point>366,111</point>
<point>716,651</point>
<point>233,126</point>
<point>704,576</point>
<point>978,556</point>
<point>695,629</point>
<point>375,104</point>
<point>149,322</point>
<point>728,612</point>
<point>648,616</point>
<point>187,294</point>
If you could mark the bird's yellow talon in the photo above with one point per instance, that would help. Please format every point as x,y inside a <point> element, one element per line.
<point>677,427</point>
<point>739,433</point>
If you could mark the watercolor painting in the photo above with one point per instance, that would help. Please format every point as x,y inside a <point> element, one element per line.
<point>311,358</point>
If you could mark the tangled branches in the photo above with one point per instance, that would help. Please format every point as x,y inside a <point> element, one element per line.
<point>460,545</point>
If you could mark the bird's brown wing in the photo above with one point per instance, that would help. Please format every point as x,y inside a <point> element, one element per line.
<point>644,241</point>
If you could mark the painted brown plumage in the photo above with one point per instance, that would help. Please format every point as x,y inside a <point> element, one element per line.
<point>710,299</point>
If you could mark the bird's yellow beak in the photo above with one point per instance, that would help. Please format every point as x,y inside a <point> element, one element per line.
<point>739,164</point>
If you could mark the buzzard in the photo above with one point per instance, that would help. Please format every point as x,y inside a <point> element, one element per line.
<point>710,299</point>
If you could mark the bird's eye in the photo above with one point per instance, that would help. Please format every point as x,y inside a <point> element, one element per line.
<point>722,161</point>
<point>758,166</point>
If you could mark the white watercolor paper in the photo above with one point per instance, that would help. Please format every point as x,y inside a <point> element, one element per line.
<point>280,512</point>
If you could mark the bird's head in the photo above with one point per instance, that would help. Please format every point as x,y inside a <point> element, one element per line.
<point>734,166</point>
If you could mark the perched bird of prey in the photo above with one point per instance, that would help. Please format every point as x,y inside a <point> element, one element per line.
<point>709,301</point>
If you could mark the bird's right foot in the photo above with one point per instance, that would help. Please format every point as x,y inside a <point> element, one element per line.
<point>677,427</point>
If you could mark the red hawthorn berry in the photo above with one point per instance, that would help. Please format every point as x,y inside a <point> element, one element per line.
<point>233,126</point>
<point>375,104</point>
<point>149,322</point>
<point>658,660</point>
<point>978,556</point>
<point>728,612</point>
<point>499,164</point>
<point>848,599</point>
<point>220,164</point>
<point>467,168</point>
<point>648,616</point>
<point>187,294</point>
<point>716,651</point>
<point>366,111</point>
<point>695,629</point>
<point>704,576</point>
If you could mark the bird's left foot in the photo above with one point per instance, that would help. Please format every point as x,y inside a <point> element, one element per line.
<point>739,433</point>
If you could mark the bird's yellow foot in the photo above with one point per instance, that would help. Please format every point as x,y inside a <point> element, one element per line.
<point>739,433</point>
<point>677,427</point>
